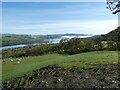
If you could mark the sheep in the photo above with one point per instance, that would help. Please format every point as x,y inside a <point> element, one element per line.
<point>18,62</point>
<point>19,59</point>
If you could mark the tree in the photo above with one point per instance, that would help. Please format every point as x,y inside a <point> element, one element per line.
<point>113,5</point>
<point>115,36</point>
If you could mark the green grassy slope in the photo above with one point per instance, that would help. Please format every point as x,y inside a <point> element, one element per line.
<point>13,69</point>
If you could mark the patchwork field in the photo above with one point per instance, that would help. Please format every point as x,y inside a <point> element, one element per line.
<point>12,69</point>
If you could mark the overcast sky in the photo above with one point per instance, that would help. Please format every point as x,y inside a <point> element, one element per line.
<point>55,18</point>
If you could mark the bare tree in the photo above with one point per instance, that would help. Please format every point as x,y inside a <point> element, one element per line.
<point>113,5</point>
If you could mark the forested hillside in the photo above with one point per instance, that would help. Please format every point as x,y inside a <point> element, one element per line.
<point>13,39</point>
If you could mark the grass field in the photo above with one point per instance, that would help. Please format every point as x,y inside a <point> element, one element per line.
<point>12,70</point>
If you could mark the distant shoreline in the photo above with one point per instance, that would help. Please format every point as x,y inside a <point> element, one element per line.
<point>48,41</point>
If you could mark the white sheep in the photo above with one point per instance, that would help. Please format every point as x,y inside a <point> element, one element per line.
<point>19,59</point>
<point>18,62</point>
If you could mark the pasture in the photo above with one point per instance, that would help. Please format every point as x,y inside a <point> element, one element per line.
<point>12,69</point>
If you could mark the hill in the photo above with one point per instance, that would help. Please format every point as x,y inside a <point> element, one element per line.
<point>12,70</point>
<point>56,71</point>
<point>15,39</point>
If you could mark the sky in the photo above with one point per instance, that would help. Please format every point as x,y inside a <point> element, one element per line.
<point>53,0</point>
<point>57,18</point>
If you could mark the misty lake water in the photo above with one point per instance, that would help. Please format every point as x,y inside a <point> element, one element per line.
<point>49,41</point>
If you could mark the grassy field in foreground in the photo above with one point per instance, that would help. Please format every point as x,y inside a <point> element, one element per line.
<point>27,65</point>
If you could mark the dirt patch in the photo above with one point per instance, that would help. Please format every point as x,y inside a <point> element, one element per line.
<point>103,76</point>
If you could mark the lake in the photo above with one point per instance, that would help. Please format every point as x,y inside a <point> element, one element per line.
<point>49,41</point>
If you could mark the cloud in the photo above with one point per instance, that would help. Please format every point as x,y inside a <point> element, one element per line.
<point>91,18</point>
<point>86,27</point>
